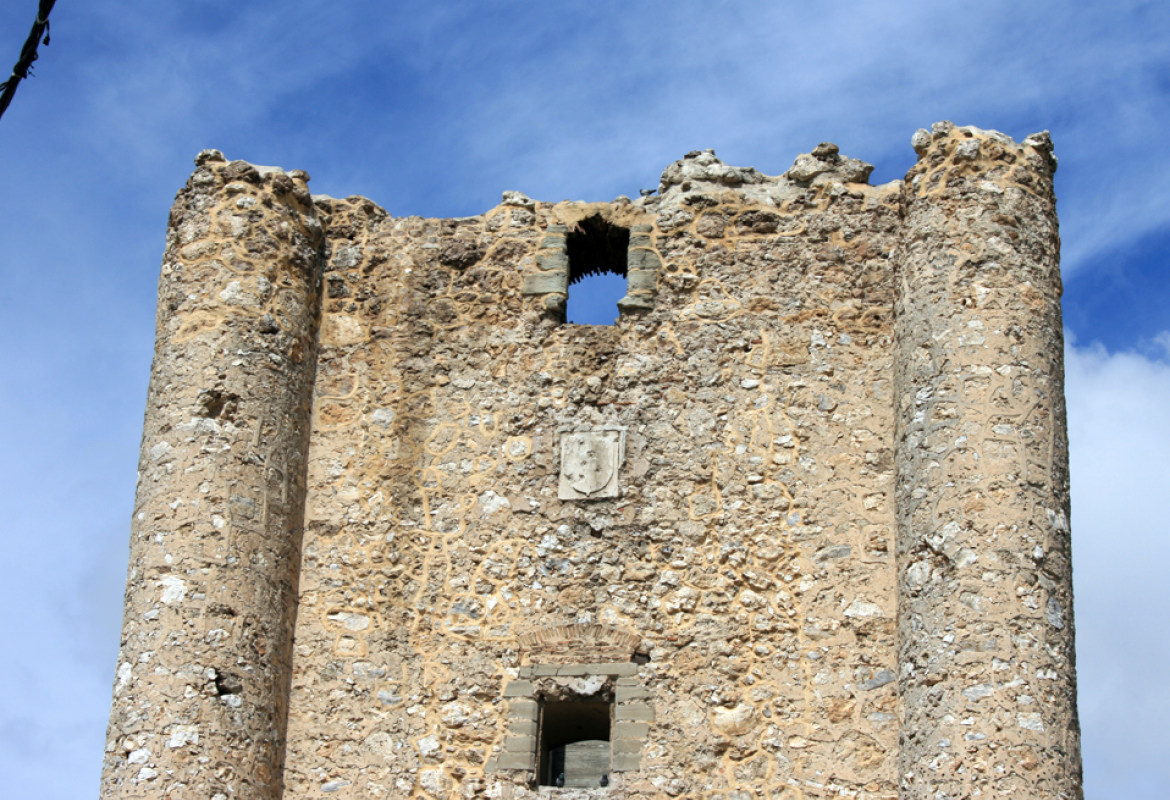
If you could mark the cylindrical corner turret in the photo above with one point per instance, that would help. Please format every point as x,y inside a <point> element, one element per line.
<point>200,699</point>
<point>984,576</point>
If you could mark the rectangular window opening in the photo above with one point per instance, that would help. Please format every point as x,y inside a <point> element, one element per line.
<point>597,253</point>
<point>575,744</point>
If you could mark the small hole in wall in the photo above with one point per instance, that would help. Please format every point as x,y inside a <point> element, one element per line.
<point>597,270</point>
<point>227,683</point>
<point>214,403</point>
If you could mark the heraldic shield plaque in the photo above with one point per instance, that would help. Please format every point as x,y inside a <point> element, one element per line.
<point>590,462</point>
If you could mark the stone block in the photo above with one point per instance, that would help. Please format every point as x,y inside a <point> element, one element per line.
<point>643,228</point>
<point>642,280</point>
<point>523,709</point>
<point>636,302</point>
<point>624,668</point>
<point>552,243</point>
<point>627,747</point>
<point>519,689</point>
<point>516,761</point>
<point>545,282</point>
<point>642,259</point>
<point>520,744</point>
<point>552,261</point>
<point>626,693</point>
<point>639,240</point>
<point>631,730</point>
<point>626,763</point>
<point>522,727</point>
<point>544,669</point>
<point>556,229</point>
<point>635,712</point>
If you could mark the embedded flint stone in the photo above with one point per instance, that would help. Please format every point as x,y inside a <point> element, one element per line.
<point>920,141</point>
<point>518,199</point>
<point>825,159</point>
<point>1042,142</point>
<point>209,156</point>
<point>967,151</point>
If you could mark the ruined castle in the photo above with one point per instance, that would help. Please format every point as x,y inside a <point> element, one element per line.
<point>795,526</point>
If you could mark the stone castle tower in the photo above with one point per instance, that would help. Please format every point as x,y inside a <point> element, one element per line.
<point>796,526</point>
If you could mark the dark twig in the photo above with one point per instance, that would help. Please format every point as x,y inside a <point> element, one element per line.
<point>28,54</point>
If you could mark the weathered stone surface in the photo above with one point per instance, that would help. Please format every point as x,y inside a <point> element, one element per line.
<point>829,557</point>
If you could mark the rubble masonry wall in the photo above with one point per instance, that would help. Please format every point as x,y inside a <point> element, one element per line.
<point>830,559</point>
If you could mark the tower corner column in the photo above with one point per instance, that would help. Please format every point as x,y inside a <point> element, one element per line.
<point>985,620</point>
<point>201,690</point>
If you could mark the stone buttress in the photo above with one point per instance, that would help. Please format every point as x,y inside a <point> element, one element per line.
<point>794,527</point>
<point>984,574</point>
<point>200,700</point>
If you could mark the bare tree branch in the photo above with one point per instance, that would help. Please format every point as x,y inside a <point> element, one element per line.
<point>28,54</point>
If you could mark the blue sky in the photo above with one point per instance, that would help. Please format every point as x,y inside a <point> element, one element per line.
<point>434,108</point>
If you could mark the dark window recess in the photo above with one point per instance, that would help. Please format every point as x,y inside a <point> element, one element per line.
<point>597,270</point>
<point>574,744</point>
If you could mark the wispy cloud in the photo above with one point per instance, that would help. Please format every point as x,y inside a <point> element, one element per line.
<point>1119,431</point>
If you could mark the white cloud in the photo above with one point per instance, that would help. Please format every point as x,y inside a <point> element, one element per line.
<point>1119,430</point>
